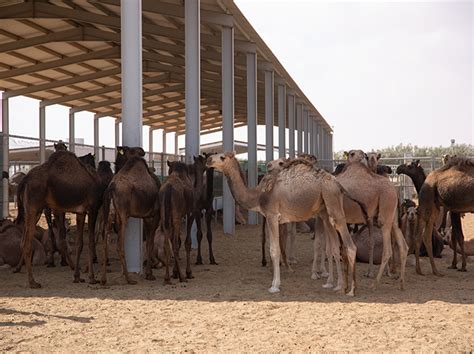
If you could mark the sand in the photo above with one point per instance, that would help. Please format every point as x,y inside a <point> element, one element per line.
<point>227,308</point>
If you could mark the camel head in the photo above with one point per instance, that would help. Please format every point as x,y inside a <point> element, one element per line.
<point>409,168</point>
<point>177,167</point>
<point>276,165</point>
<point>446,158</point>
<point>356,156</point>
<point>124,153</point>
<point>60,146</point>
<point>412,214</point>
<point>373,160</point>
<point>222,162</point>
<point>88,160</point>
<point>200,162</point>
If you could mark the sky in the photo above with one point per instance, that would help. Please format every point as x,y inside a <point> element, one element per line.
<point>381,73</point>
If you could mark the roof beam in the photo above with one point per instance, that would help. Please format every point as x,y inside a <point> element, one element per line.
<point>59,83</point>
<point>100,54</point>
<point>172,88</point>
<point>163,78</point>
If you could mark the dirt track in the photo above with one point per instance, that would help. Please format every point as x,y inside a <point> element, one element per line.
<point>227,307</point>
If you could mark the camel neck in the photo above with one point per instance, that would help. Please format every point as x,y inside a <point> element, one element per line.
<point>418,179</point>
<point>247,198</point>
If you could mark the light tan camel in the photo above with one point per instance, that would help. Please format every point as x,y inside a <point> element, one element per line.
<point>373,160</point>
<point>451,186</point>
<point>380,197</point>
<point>280,202</point>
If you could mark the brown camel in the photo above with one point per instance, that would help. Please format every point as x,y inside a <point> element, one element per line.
<point>277,199</point>
<point>380,197</point>
<point>176,202</point>
<point>63,184</point>
<point>132,192</point>
<point>451,186</point>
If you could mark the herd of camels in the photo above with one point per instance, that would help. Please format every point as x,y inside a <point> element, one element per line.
<point>294,190</point>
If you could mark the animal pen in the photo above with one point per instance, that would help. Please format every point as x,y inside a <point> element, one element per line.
<point>182,68</point>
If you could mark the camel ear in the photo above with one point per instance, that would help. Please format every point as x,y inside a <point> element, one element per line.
<point>230,154</point>
<point>168,163</point>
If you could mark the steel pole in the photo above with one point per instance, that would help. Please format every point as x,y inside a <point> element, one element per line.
<point>291,124</point>
<point>269,117</point>
<point>281,120</point>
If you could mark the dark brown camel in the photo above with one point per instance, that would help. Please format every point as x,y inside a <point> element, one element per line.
<point>63,184</point>
<point>176,202</point>
<point>133,192</point>
<point>451,186</point>
<point>204,202</point>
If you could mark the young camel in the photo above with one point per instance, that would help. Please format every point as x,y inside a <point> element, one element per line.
<point>176,202</point>
<point>277,199</point>
<point>451,186</point>
<point>380,197</point>
<point>133,192</point>
<point>63,184</point>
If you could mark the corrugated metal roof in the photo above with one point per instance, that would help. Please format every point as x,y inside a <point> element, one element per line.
<point>68,52</point>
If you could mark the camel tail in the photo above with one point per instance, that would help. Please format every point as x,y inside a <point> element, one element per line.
<point>106,199</point>
<point>362,206</point>
<point>167,206</point>
<point>20,219</point>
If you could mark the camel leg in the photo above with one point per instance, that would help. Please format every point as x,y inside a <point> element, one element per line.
<point>176,241</point>
<point>121,247</point>
<point>199,238</point>
<point>79,245</point>
<point>187,246</point>
<point>458,237</point>
<point>149,230</point>
<point>387,251</point>
<point>271,229</point>
<point>31,218</point>
<point>317,244</point>
<point>334,249</point>
<point>402,250</point>
<point>427,240</point>
<point>91,220</point>
<point>283,236</point>
<point>322,250</point>
<point>65,256</point>
<point>421,225</point>
<point>370,272</point>
<point>168,247</point>
<point>212,260</point>
<point>49,220</point>
<point>103,279</point>
<point>291,243</point>
<point>264,259</point>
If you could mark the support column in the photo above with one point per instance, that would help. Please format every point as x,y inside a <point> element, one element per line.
<point>323,143</point>
<point>192,50</point>
<point>150,147</point>
<point>176,147</point>
<point>72,131</point>
<point>281,119</point>
<point>311,129</point>
<point>96,139</point>
<point>163,146</point>
<point>305,131</point>
<point>269,118</point>
<point>299,126</point>
<point>5,157</point>
<point>131,37</point>
<point>42,133</point>
<point>320,141</point>
<point>228,120</point>
<point>291,124</point>
<point>117,132</point>
<point>252,127</point>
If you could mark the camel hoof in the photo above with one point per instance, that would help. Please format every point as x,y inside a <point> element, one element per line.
<point>264,263</point>
<point>103,281</point>
<point>324,274</point>
<point>92,281</point>
<point>337,288</point>
<point>150,277</point>
<point>78,280</point>
<point>438,274</point>
<point>462,270</point>
<point>419,272</point>
<point>273,290</point>
<point>369,275</point>
<point>315,276</point>
<point>452,267</point>
<point>213,262</point>
<point>64,263</point>
<point>350,293</point>
<point>167,282</point>
<point>50,265</point>
<point>34,285</point>
<point>16,270</point>
<point>189,275</point>
<point>131,282</point>
<point>327,286</point>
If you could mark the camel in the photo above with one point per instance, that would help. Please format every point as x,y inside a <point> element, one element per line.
<point>373,160</point>
<point>176,202</point>
<point>280,202</point>
<point>451,186</point>
<point>63,184</point>
<point>203,198</point>
<point>132,192</point>
<point>380,197</point>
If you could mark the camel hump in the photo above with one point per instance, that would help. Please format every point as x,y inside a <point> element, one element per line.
<point>458,162</point>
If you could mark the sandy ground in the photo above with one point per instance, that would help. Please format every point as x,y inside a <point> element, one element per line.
<point>227,308</point>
